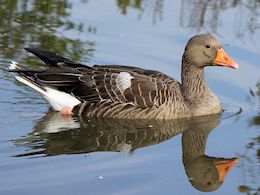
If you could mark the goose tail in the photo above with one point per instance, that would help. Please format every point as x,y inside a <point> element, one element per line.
<point>59,100</point>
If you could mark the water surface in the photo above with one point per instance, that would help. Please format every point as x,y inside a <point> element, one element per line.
<point>43,153</point>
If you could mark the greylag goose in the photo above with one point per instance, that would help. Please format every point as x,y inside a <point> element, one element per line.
<point>114,91</point>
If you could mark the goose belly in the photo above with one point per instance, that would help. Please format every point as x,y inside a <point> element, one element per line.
<point>108,109</point>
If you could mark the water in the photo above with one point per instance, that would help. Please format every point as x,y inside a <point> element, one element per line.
<point>43,153</point>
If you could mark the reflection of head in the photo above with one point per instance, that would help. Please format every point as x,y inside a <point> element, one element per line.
<point>204,174</point>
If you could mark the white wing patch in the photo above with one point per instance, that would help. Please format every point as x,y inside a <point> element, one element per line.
<point>123,81</point>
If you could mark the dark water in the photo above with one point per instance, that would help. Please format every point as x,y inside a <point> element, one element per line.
<point>43,153</point>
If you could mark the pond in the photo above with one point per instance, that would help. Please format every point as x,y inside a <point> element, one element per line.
<point>44,153</point>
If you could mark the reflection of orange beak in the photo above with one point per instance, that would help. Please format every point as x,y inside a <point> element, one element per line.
<point>224,166</point>
<point>223,59</point>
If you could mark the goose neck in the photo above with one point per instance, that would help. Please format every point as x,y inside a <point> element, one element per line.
<point>193,80</point>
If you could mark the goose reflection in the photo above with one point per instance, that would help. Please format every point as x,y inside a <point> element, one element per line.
<point>205,173</point>
<point>56,135</point>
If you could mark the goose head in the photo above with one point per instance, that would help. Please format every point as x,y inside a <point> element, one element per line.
<point>204,50</point>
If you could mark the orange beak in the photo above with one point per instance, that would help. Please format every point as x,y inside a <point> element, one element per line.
<point>224,166</point>
<point>223,59</point>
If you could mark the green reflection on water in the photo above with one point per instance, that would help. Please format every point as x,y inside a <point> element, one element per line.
<point>40,23</point>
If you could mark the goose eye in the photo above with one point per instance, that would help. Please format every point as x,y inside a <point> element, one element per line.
<point>207,46</point>
<point>209,183</point>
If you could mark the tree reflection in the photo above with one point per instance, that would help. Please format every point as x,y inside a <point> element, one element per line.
<point>203,14</point>
<point>154,6</point>
<point>250,159</point>
<point>125,4</point>
<point>40,23</point>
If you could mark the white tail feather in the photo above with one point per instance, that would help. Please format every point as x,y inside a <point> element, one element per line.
<point>57,99</point>
<point>13,65</point>
<point>30,84</point>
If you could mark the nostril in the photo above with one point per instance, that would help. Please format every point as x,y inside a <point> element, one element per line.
<point>226,58</point>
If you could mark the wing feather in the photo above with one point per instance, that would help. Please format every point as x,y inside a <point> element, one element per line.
<point>117,84</point>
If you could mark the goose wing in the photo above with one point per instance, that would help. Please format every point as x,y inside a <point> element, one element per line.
<point>124,84</point>
<point>136,70</point>
<point>92,85</point>
<point>127,87</point>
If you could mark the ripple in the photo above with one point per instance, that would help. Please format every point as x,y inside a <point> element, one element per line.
<point>233,107</point>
